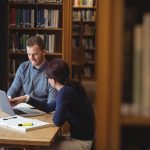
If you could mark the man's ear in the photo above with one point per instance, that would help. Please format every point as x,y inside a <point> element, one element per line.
<point>45,52</point>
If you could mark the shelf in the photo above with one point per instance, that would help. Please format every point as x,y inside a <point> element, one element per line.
<point>135,120</point>
<point>84,7</point>
<point>83,21</point>
<point>90,49</point>
<point>36,29</point>
<point>92,62</point>
<point>34,4</point>
<point>24,53</point>
<point>17,53</point>
<point>55,54</point>
<point>84,35</point>
<point>86,78</point>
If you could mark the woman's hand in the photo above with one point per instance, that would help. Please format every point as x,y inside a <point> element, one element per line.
<point>17,100</point>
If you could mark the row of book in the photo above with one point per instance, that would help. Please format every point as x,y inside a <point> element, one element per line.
<point>86,70</point>
<point>87,43</point>
<point>87,29</point>
<point>141,70</point>
<point>89,56</point>
<point>13,65</point>
<point>30,18</point>
<point>17,42</point>
<point>77,3</point>
<point>84,15</point>
<point>36,1</point>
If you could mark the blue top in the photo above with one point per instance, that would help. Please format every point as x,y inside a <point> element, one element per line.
<point>33,82</point>
<point>72,107</point>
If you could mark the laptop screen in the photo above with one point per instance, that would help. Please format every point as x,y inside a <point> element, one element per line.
<point>7,108</point>
<point>5,104</point>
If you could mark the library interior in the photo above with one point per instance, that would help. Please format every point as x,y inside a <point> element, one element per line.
<point>103,42</point>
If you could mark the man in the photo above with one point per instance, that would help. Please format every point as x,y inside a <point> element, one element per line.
<point>30,78</point>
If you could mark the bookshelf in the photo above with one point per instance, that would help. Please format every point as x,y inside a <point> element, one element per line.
<point>83,39</point>
<point>118,131</point>
<point>46,18</point>
<point>135,121</point>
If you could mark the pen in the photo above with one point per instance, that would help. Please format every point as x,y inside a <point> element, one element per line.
<point>9,118</point>
<point>25,124</point>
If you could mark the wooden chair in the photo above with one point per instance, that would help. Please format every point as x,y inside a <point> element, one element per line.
<point>93,145</point>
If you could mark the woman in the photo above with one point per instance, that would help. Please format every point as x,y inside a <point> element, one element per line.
<point>71,105</point>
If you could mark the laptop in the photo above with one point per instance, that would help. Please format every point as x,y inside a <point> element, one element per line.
<point>22,111</point>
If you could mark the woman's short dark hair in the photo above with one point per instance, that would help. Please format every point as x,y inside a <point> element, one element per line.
<point>58,70</point>
<point>36,40</point>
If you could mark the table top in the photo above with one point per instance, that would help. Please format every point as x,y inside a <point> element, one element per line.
<point>39,137</point>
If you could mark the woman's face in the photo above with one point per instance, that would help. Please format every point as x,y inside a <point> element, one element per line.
<point>51,82</point>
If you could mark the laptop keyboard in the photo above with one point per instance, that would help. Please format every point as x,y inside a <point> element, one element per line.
<point>24,110</point>
<point>29,111</point>
<point>19,112</point>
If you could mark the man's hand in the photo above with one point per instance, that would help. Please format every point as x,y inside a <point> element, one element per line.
<point>17,100</point>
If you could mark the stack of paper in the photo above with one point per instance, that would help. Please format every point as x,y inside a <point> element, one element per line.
<point>23,124</point>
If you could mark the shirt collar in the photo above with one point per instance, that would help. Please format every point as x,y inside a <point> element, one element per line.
<point>37,67</point>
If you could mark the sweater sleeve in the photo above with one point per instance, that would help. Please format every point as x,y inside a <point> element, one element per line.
<point>62,100</point>
<point>44,106</point>
<point>16,86</point>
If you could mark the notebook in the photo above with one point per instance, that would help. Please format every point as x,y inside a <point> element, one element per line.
<point>7,108</point>
<point>23,124</point>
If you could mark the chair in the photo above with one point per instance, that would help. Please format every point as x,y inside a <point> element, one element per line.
<point>93,145</point>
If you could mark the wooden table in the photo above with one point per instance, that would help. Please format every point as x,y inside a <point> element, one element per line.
<point>30,139</point>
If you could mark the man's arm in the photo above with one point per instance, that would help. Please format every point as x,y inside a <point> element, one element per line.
<point>44,106</point>
<point>16,86</point>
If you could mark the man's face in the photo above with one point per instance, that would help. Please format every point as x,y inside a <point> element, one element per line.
<point>35,55</point>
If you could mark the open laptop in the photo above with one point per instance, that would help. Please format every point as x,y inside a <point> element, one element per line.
<point>22,111</point>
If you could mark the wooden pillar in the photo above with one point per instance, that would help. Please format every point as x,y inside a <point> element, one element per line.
<point>108,93</point>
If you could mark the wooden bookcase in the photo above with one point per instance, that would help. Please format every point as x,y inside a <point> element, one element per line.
<point>114,130</point>
<point>45,18</point>
<point>135,123</point>
<point>83,39</point>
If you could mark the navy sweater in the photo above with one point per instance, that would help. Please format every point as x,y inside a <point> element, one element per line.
<point>72,107</point>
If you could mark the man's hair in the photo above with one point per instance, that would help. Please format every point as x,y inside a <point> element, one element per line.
<point>36,40</point>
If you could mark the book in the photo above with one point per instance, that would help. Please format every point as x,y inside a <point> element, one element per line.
<point>137,68</point>
<point>145,86</point>
<point>23,124</point>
